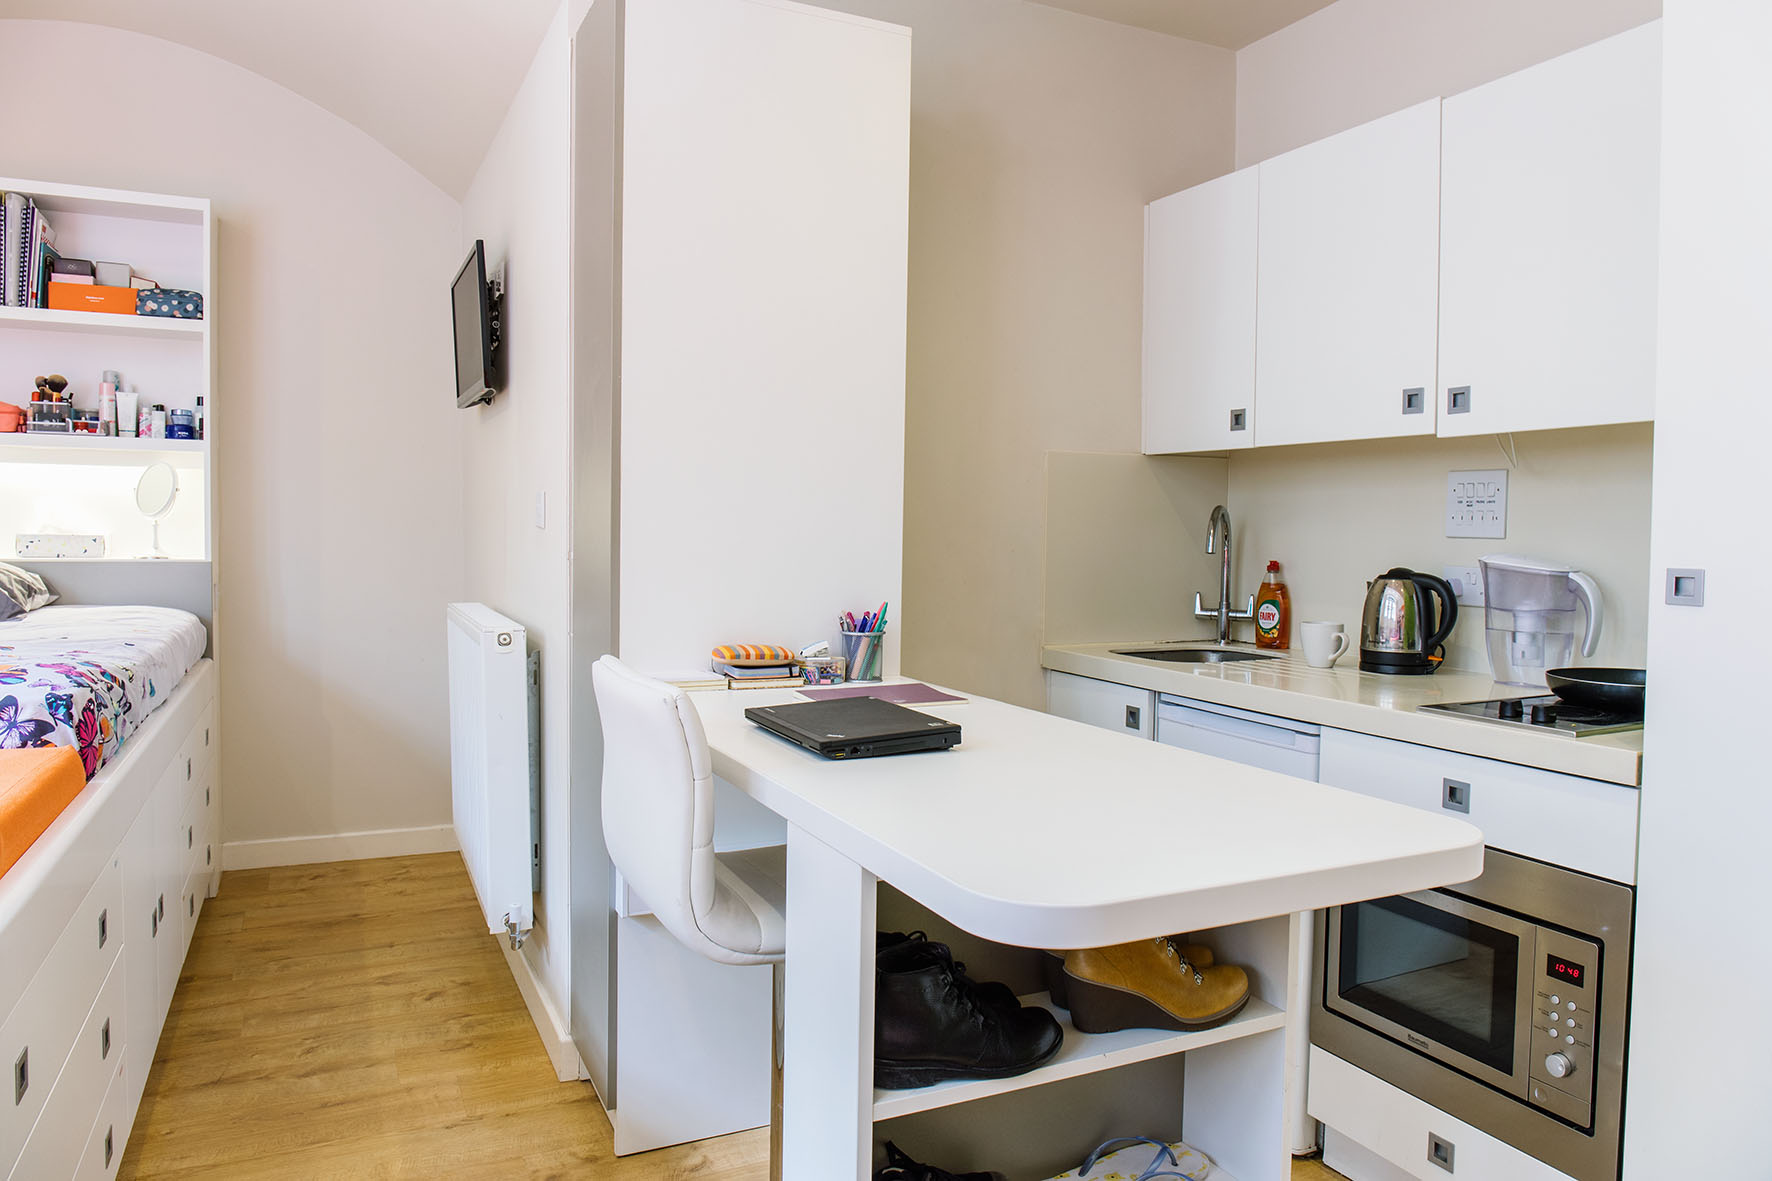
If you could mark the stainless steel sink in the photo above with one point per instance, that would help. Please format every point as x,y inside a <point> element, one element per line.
<point>1194,655</point>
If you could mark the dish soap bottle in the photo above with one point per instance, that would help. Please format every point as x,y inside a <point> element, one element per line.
<point>1273,611</point>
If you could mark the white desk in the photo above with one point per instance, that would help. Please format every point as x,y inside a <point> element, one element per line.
<point>1040,832</point>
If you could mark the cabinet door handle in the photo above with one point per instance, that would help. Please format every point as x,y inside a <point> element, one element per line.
<point>1133,714</point>
<point>21,1076</point>
<point>110,1129</point>
<point>1415,400</point>
<point>104,923</point>
<point>104,1039</point>
<point>1240,419</point>
<point>160,907</point>
<point>208,850</point>
<point>187,770</point>
<point>154,922</point>
<point>1455,796</point>
<point>190,906</point>
<point>1458,399</point>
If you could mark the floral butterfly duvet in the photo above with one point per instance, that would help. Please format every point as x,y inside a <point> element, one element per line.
<point>86,677</point>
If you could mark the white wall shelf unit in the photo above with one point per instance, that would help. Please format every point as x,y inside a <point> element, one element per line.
<point>71,484</point>
<point>99,323</point>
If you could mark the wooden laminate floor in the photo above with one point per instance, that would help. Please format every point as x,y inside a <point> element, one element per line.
<point>354,1020</point>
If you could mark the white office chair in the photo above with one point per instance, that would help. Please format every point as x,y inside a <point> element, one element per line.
<point>658,821</point>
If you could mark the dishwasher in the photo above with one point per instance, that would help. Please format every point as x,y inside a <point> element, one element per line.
<point>1291,748</point>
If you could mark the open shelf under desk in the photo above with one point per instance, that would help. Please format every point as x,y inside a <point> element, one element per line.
<point>1083,1053</point>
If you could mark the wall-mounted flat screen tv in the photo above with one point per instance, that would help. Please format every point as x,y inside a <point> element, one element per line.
<point>477,314</point>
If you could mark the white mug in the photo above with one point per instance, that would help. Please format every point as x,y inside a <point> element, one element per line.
<point>1324,642</point>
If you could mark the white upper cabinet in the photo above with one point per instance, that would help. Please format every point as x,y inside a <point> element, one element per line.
<point>1548,252</point>
<point>1199,316</point>
<point>1348,284</point>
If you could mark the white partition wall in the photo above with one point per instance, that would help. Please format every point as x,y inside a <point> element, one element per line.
<point>764,237</point>
<point>740,223</point>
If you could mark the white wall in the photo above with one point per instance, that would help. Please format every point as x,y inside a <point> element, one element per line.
<point>1337,515</point>
<point>338,533</point>
<point>1695,1103</point>
<point>1037,137</point>
<point>516,450</point>
<point>1358,59</point>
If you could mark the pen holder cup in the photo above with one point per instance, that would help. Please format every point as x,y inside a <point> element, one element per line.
<point>862,654</point>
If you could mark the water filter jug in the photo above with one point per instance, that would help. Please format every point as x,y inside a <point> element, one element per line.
<point>1531,608</point>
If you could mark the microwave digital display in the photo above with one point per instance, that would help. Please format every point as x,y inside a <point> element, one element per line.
<point>1568,971</point>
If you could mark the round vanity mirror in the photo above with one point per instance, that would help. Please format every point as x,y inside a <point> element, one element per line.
<point>156,490</point>
<point>154,494</point>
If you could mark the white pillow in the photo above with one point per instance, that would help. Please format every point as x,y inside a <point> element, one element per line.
<point>22,591</point>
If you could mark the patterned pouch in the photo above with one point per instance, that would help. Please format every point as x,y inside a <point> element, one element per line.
<point>1143,1159</point>
<point>160,301</point>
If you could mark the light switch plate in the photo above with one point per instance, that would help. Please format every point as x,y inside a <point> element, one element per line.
<point>1476,504</point>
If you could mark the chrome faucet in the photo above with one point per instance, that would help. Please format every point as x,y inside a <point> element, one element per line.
<point>1221,522</point>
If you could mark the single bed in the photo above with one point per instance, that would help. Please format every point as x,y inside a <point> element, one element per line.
<point>87,677</point>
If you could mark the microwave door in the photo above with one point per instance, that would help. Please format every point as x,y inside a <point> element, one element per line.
<point>1448,978</point>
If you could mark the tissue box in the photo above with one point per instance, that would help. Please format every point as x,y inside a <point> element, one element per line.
<point>180,305</point>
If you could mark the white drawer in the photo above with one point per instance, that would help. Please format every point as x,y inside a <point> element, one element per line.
<point>1584,824</point>
<point>1102,703</point>
<point>1396,1126</point>
<point>58,1140</point>
<point>110,1131</point>
<point>36,1038</point>
<point>200,742</point>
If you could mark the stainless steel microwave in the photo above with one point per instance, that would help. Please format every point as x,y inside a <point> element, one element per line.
<point>1500,1001</point>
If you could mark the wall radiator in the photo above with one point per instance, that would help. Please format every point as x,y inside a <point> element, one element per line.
<point>494,761</point>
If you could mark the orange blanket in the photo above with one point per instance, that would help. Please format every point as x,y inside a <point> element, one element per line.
<point>35,785</point>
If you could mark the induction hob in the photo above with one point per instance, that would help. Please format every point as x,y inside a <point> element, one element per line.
<point>1549,714</point>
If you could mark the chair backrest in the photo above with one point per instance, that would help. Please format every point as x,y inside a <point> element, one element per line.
<point>658,798</point>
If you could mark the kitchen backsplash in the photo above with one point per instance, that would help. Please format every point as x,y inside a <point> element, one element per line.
<point>1336,515</point>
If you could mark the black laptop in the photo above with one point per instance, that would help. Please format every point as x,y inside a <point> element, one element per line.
<point>855,727</point>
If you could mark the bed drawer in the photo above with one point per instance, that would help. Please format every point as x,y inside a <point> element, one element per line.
<point>110,1131</point>
<point>43,1026</point>
<point>56,1143</point>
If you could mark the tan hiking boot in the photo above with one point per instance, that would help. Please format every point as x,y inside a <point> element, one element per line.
<point>1058,988</point>
<point>1150,984</point>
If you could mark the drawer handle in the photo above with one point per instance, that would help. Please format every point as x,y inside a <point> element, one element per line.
<point>187,770</point>
<point>1455,796</point>
<point>104,1039</point>
<point>188,836</point>
<point>206,736</point>
<point>206,797</point>
<point>1133,714</point>
<point>110,1130</point>
<point>1440,1151</point>
<point>104,924</point>
<point>21,1076</point>
<point>190,906</point>
<point>160,907</point>
<point>154,921</point>
<point>207,851</point>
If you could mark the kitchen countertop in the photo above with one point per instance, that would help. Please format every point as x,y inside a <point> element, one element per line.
<point>1368,703</point>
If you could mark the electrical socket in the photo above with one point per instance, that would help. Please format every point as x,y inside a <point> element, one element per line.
<point>1467,584</point>
<point>1476,504</point>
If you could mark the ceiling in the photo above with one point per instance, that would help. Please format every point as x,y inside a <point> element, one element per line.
<point>1230,24</point>
<point>430,79</point>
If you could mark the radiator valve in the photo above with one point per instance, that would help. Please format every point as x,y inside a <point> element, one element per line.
<point>511,930</point>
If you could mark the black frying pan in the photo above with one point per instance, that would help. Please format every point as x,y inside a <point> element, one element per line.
<point>1616,690</point>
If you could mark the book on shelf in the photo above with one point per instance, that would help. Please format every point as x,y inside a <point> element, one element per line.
<point>9,249</point>
<point>775,682</point>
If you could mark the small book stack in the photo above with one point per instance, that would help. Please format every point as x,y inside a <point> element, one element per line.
<point>757,666</point>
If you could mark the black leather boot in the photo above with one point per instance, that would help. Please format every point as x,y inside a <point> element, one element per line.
<point>900,1167</point>
<point>932,1023</point>
<point>991,991</point>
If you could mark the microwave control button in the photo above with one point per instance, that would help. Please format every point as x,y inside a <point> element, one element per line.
<point>1559,1065</point>
<point>1555,999</point>
<point>1570,1039</point>
<point>1570,1023</point>
<point>1572,1006</point>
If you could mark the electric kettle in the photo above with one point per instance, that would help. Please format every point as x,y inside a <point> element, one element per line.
<point>1400,630</point>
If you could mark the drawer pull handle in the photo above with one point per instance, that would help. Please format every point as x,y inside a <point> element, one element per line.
<point>187,770</point>
<point>206,736</point>
<point>21,1076</point>
<point>1455,796</point>
<point>206,797</point>
<point>154,921</point>
<point>190,906</point>
<point>160,907</point>
<point>1133,714</point>
<point>104,924</point>
<point>207,851</point>
<point>104,1039</point>
<point>1440,1152</point>
<point>110,1130</point>
<point>188,837</point>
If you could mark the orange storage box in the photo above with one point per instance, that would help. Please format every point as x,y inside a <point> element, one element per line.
<point>35,785</point>
<point>84,297</point>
